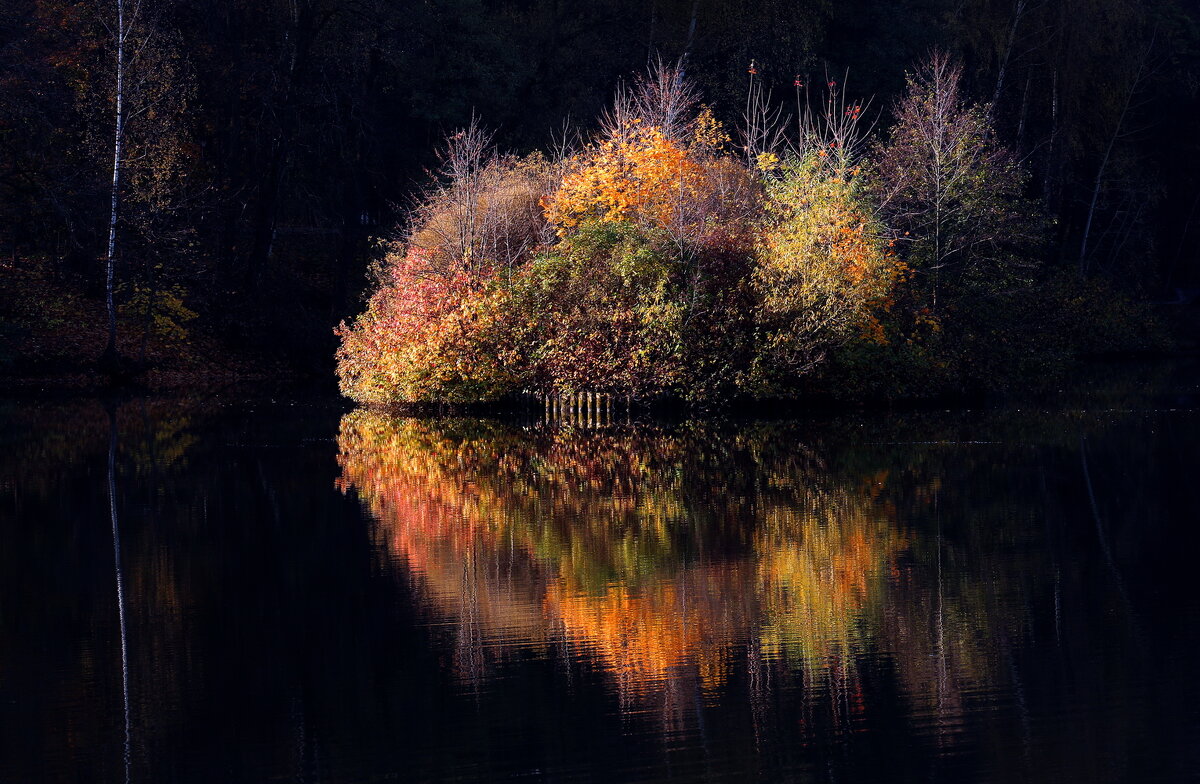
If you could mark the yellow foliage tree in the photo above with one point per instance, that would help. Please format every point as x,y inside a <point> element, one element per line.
<point>824,272</point>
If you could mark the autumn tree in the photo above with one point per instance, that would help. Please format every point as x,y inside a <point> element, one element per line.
<point>601,311</point>
<point>150,154</point>
<point>824,272</point>
<point>424,338</point>
<point>121,32</point>
<point>436,327</point>
<point>660,169</point>
<point>950,191</point>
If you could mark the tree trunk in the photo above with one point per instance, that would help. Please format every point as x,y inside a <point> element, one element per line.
<point>1024,112</point>
<point>110,358</point>
<point>1048,179</point>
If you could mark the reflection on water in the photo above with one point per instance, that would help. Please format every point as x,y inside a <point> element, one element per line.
<point>311,595</point>
<point>672,556</point>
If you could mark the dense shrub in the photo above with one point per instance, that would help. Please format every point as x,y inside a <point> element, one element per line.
<point>603,311</point>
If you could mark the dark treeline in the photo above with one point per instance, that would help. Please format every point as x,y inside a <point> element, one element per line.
<point>267,143</point>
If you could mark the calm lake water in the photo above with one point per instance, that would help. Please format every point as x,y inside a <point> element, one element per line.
<point>272,590</point>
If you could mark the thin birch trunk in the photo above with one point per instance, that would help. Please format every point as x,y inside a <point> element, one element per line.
<point>1024,111</point>
<point>110,350</point>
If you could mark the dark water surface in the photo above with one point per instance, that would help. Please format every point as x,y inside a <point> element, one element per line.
<point>231,590</point>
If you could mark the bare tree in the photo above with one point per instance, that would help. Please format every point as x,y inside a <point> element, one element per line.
<point>666,99</point>
<point>835,126</point>
<point>484,215</point>
<point>948,188</point>
<point>762,123</point>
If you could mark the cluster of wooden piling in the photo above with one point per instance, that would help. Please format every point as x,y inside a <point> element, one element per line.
<point>586,409</point>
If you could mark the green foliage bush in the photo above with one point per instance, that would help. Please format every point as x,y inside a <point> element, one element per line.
<point>603,311</point>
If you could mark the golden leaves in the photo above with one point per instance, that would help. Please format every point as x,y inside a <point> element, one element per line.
<point>640,175</point>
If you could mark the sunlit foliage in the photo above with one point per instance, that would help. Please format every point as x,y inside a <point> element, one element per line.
<point>621,268</point>
<point>604,311</point>
<point>433,330</point>
<point>658,259</point>
<point>424,336</point>
<point>825,269</point>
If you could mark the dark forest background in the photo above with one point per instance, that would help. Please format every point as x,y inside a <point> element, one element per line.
<point>270,142</point>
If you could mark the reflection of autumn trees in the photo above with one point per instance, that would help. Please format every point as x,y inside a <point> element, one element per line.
<point>662,553</point>
<point>821,568</point>
<point>43,441</point>
<point>825,577</point>
<point>937,579</point>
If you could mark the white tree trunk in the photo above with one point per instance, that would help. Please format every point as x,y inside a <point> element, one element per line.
<point>110,351</point>
<point>120,575</point>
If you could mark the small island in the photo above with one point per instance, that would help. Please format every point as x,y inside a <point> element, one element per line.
<point>657,258</point>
